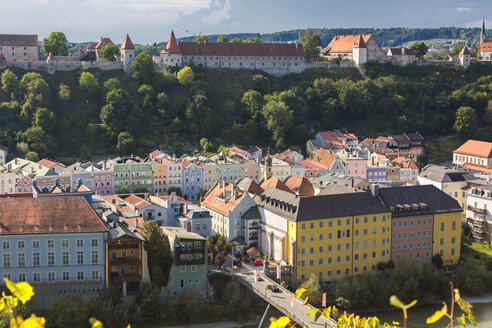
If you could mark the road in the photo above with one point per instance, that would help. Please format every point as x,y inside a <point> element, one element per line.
<point>281,300</point>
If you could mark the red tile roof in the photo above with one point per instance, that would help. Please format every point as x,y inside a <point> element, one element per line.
<point>310,164</point>
<point>127,44</point>
<point>476,148</point>
<point>2,57</point>
<point>103,42</point>
<point>48,215</point>
<point>47,163</point>
<point>300,185</point>
<point>235,49</point>
<point>410,164</point>
<point>344,43</point>
<point>486,46</point>
<point>360,43</point>
<point>275,183</point>
<point>402,51</point>
<point>465,51</point>
<point>171,46</point>
<point>92,46</point>
<point>325,158</point>
<point>50,57</point>
<point>222,206</point>
<point>28,40</point>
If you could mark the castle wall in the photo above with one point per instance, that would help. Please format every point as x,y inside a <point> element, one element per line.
<point>65,65</point>
<point>20,53</point>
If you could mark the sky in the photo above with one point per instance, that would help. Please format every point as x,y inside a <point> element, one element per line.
<point>148,21</point>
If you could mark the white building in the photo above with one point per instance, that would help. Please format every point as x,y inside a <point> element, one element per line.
<point>19,47</point>
<point>478,212</point>
<point>473,152</point>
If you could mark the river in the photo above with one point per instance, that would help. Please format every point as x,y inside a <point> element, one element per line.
<point>482,309</point>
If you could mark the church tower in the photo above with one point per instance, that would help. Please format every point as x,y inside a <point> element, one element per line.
<point>482,33</point>
<point>464,57</point>
<point>359,52</point>
<point>51,64</point>
<point>127,51</point>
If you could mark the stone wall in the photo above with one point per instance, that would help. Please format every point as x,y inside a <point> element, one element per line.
<point>20,53</point>
<point>52,67</point>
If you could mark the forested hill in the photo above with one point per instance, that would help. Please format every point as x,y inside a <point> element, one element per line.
<point>386,37</point>
<point>85,114</point>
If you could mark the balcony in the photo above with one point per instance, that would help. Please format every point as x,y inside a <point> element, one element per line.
<point>477,210</point>
<point>124,260</point>
<point>117,277</point>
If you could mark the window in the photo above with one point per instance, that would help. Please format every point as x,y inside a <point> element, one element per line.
<point>311,250</point>
<point>330,260</point>
<point>454,225</point>
<point>65,258</point>
<point>51,276</point>
<point>95,257</point>
<point>80,257</point>
<point>321,224</point>
<point>193,268</point>
<point>51,258</point>
<point>35,259</point>
<point>6,244</point>
<point>95,275</point>
<point>452,251</point>
<point>303,239</point>
<point>80,275</point>
<point>182,268</point>
<point>453,240</point>
<point>311,262</point>
<point>51,243</point>
<point>66,275</point>
<point>94,242</point>
<point>311,238</point>
<point>442,226</point>
<point>22,277</point>
<point>80,243</point>
<point>320,236</point>
<point>65,243</point>
<point>303,226</point>
<point>21,259</point>
<point>6,260</point>
<point>311,225</point>
<point>35,244</point>
<point>20,244</point>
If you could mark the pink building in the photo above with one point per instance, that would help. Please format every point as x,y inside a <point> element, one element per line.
<point>356,167</point>
<point>24,184</point>
<point>252,171</point>
<point>102,182</point>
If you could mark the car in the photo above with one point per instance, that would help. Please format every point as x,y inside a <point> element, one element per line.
<point>258,262</point>
<point>259,277</point>
<point>273,288</point>
<point>237,263</point>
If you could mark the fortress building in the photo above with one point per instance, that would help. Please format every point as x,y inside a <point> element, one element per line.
<point>351,47</point>
<point>19,47</point>
<point>274,58</point>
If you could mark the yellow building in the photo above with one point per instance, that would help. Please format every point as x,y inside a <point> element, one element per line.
<point>447,237</point>
<point>328,236</point>
<point>159,178</point>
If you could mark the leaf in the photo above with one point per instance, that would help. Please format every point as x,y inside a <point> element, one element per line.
<point>22,290</point>
<point>462,320</point>
<point>437,315</point>
<point>300,291</point>
<point>16,322</point>
<point>306,301</point>
<point>34,322</point>
<point>311,312</point>
<point>394,301</point>
<point>471,317</point>
<point>279,323</point>
<point>317,315</point>
<point>327,312</point>
<point>464,305</point>
<point>95,323</point>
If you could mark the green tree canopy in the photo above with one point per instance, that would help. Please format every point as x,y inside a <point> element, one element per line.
<point>201,38</point>
<point>159,254</point>
<point>456,49</point>
<point>56,43</point>
<point>89,84</point>
<point>236,40</point>
<point>254,101</point>
<point>110,52</point>
<point>112,84</point>
<point>260,83</point>
<point>125,143</point>
<point>222,38</point>
<point>63,92</point>
<point>45,119</point>
<point>32,156</point>
<point>143,68</point>
<point>10,83</point>
<point>278,118</point>
<point>466,123</point>
<point>186,75</point>
<point>252,40</point>
<point>420,49</point>
<point>309,45</point>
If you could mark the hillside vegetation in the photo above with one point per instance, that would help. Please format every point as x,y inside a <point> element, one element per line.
<point>89,113</point>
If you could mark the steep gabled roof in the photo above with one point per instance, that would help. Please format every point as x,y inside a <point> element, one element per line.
<point>172,45</point>
<point>276,184</point>
<point>127,44</point>
<point>360,43</point>
<point>47,163</point>
<point>103,42</point>
<point>325,158</point>
<point>29,40</point>
<point>465,51</point>
<point>215,201</point>
<point>50,57</point>
<point>344,43</point>
<point>300,185</point>
<point>486,46</point>
<point>249,185</point>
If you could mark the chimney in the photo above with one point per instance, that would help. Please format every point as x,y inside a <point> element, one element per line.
<point>223,188</point>
<point>374,190</point>
<point>351,183</point>
<point>136,223</point>
<point>113,201</point>
<point>16,160</point>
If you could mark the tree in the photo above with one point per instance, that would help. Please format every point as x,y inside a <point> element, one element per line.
<point>56,43</point>
<point>437,261</point>
<point>32,156</point>
<point>89,84</point>
<point>456,49</point>
<point>487,113</point>
<point>10,83</point>
<point>67,311</point>
<point>313,291</point>
<point>108,307</point>
<point>147,302</point>
<point>125,143</point>
<point>186,75</point>
<point>224,149</point>
<point>158,250</point>
<point>45,119</point>
<point>143,68</point>
<point>260,83</point>
<point>466,123</point>
<point>146,91</point>
<point>278,118</point>
<point>222,38</point>
<point>201,38</point>
<point>123,190</point>
<point>252,40</point>
<point>420,49</point>
<point>206,145</point>
<point>112,84</point>
<point>110,52</point>
<point>309,45</point>
<point>219,248</point>
<point>176,190</point>
<point>63,92</point>
<point>254,101</point>
<point>236,40</point>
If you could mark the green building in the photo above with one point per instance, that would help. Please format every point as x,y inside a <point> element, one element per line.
<point>227,169</point>
<point>136,175</point>
<point>190,259</point>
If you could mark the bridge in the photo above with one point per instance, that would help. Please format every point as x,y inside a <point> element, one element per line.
<point>282,300</point>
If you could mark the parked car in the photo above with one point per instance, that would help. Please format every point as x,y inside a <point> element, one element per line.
<point>259,277</point>
<point>273,288</point>
<point>237,263</point>
<point>258,262</point>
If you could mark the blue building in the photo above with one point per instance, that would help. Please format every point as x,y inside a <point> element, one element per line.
<point>191,181</point>
<point>55,244</point>
<point>195,219</point>
<point>376,173</point>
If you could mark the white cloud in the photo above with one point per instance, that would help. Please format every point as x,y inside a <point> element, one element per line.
<point>463,9</point>
<point>220,12</point>
<point>478,23</point>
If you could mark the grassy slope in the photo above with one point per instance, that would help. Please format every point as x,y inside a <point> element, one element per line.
<point>480,252</point>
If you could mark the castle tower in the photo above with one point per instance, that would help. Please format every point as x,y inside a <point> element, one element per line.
<point>51,63</point>
<point>3,60</point>
<point>359,52</point>
<point>127,51</point>
<point>465,56</point>
<point>170,56</point>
